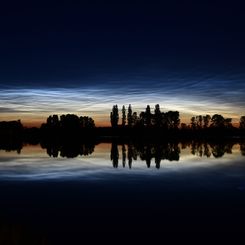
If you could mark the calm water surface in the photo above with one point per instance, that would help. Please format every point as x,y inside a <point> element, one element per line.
<point>61,194</point>
<point>106,161</point>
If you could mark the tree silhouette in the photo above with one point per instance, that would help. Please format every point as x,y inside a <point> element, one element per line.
<point>242,122</point>
<point>70,122</point>
<point>218,121</point>
<point>183,126</point>
<point>158,116</point>
<point>123,116</point>
<point>172,118</point>
<point>206,121</point>
<point>114,116</point>
<point>148,116</point>
<point>242,148</point>
<point>129,116</point>
<point>228,122</point>
<point>193,123</point>
<point>86,122</point>
<point>199,120</point>
<point>53,121</point>
<point>134,119</point>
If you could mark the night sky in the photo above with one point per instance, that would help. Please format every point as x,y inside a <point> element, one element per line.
<point>67,57</point>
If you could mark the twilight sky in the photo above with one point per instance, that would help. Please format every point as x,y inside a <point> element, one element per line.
<point>68,57</point>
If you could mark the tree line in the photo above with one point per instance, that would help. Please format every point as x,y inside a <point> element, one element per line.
<point>68,121</point>
<point>125,123</point>
<point>168,120</point>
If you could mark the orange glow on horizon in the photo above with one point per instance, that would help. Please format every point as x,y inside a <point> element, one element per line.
<point>101,119</point>
<point>36,123</point>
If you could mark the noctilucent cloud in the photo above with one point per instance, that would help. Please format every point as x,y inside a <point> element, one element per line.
<point>189,95</point>
<point>83,58</point>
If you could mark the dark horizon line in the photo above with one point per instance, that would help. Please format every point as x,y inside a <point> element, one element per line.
<point>119,125</point>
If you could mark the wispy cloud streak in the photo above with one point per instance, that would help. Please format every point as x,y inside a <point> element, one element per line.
<point>189,96</point>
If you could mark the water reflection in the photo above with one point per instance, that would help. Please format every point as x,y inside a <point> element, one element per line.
<point>11,146</point>
<point>146,152</point>
<point>131,151</point>
<point>69,150</point>
<point>149,152</point>
<point>215,149</point>
<point>91,160</point>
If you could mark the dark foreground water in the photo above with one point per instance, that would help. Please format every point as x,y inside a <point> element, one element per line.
<point>123,190</point>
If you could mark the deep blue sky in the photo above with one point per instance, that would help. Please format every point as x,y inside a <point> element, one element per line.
<point>78,57</point>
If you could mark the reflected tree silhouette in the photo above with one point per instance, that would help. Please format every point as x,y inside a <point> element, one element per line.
<point>11,146</point>
<point>174,150</point>
<point>146,152</point>
<point>114,116</point>
<point>56,149</point>
<point>218,150</point>
<point>158,156</point>
<point>146,155</point>
<point>130,152</point>
<point>130,155</point>
<point>207,152</point>
<point>114,154</point>
<point>123,155</point>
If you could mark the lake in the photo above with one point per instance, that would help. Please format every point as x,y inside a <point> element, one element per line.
<point>61,194</point>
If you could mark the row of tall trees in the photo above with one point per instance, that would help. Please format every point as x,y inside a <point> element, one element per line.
<point>145,118</point>
<point>168,120</point>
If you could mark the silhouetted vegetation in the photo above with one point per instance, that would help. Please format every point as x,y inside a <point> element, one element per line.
<point>11,129</point>
<point>114,116</point>
<point>56,149</point>
<point>114,155</point>
<point>130,116</point>
<point>148,124</point>
<point>11,135</point>
<point>147,119</point>
<point>148,151</point>
<point>67,127</point>
<point>156,124</point>
<point>242,123</point>
<point>123,116</point>
<point>171,151</point>
<point>242,148</point>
